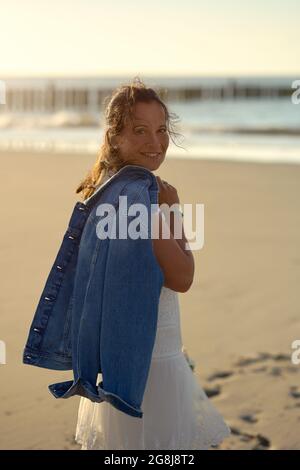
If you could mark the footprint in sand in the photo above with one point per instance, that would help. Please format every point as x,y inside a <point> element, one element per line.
<point>262,357</point>
<point>275,371</point>
<point>222,374</point>
<point>261,442</point>
<point>294,392</point>
<point>249,418</point>
<point>212,391</point>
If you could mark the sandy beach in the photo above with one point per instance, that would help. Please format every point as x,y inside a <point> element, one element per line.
<point>238,320</point>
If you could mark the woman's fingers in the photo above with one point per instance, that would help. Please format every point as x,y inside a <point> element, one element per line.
<point>167,192</point>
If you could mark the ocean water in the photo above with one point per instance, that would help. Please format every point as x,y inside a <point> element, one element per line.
<point>253,129</point>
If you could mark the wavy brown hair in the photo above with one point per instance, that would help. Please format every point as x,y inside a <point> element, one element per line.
<point>119,107</point>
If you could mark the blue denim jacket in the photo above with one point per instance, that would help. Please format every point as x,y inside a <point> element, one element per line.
<point>98,310</point>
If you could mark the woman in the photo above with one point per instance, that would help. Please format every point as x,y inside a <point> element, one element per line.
<point>177,412</point>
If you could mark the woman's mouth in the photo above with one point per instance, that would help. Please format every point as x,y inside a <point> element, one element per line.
<point>151,155</point>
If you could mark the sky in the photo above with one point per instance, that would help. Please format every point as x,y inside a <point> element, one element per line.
<point>154,38</point>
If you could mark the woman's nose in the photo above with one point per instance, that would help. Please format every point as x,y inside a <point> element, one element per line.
<point>154,144</point>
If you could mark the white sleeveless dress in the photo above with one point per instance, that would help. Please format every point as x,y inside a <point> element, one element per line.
<point>177,414</point>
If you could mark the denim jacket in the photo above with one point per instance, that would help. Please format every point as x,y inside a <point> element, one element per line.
<point>98,309</point>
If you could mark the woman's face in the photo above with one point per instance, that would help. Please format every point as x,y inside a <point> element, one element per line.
<point>145,140</point>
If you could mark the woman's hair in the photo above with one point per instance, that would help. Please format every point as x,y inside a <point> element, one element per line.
<point>119,107</point>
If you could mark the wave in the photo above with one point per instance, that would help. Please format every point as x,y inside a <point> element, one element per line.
<point>74,119</point>
<point>247,130</point>
<point>56,120</point>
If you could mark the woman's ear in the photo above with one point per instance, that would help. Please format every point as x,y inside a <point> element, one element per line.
<point>114,141</point>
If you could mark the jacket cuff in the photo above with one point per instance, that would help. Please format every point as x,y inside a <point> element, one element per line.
<point>95,394</point>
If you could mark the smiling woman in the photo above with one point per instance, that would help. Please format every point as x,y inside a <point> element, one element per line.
<point>144,141</point>
<point>176,412</point>
<point>138,128</point>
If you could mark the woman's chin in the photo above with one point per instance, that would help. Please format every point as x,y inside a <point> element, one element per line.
<point>153,164</point>
<point>149,163</point>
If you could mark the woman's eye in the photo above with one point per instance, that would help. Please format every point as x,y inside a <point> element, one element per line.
<point>139,131</point>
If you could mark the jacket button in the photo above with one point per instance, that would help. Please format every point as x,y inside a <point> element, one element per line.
<point>70,236</point>
<point>36,329</point>
<point>59,267</point>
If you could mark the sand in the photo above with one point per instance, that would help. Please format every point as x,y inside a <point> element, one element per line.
<point>238,319</point>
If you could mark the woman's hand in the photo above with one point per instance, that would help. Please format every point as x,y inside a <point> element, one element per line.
<point>167,193</point>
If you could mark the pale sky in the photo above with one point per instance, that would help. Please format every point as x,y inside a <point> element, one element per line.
<point>157,37</point>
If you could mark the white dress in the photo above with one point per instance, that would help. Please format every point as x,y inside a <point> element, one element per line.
<point>177,414</point>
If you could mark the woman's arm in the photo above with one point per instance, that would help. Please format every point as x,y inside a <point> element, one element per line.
<point>175,260</point>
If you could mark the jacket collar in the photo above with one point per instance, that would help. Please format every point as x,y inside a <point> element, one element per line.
<point>126,172</point>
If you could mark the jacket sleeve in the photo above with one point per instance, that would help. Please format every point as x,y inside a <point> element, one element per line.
<point>133,283</point>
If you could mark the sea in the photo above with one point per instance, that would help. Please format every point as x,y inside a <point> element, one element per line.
<point>259,129</point>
